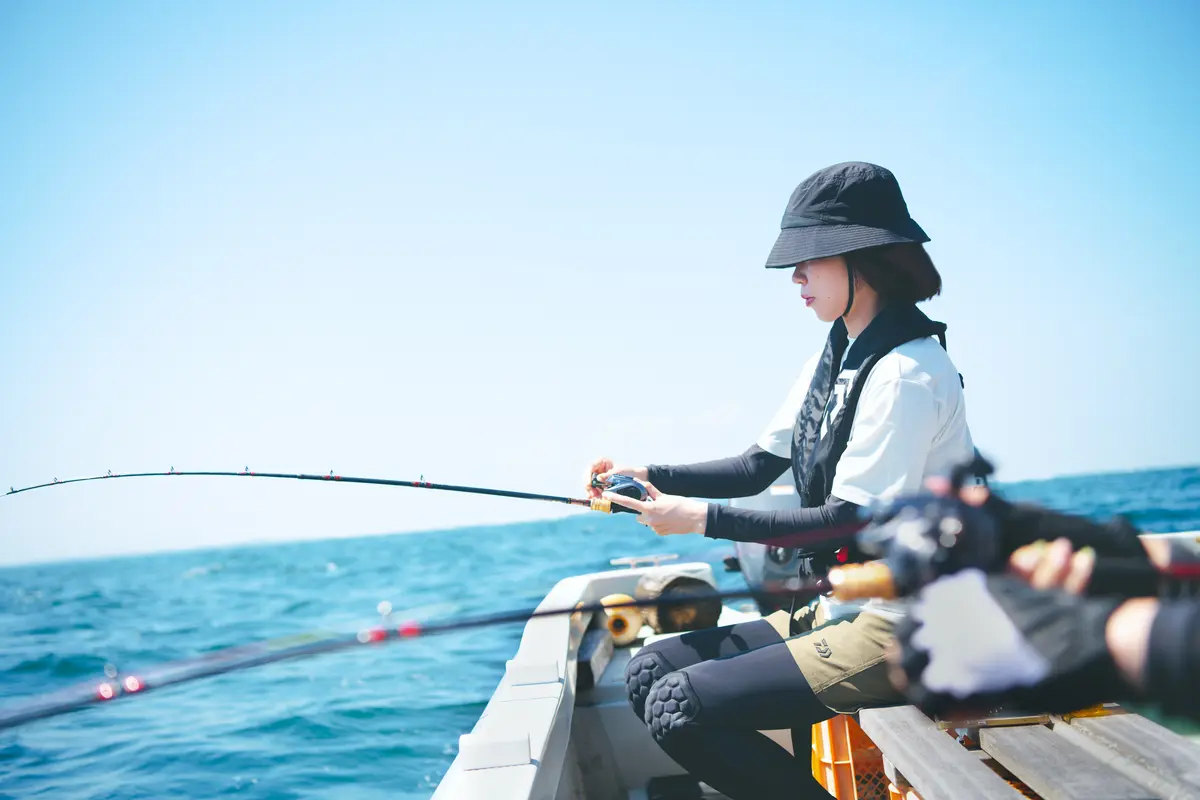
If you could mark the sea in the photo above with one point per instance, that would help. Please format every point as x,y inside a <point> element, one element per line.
<point>369,722</point>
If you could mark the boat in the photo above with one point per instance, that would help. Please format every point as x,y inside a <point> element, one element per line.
<point>559,725</point>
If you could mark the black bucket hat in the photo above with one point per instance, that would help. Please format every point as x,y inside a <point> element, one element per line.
<point>845,207</point>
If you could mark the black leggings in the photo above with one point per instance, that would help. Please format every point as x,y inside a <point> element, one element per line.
<point>705,696</point>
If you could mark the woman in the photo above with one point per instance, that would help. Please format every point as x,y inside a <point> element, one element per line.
<point>877,411</point>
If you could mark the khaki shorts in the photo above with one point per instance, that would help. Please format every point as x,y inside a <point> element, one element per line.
<point>843,661</point>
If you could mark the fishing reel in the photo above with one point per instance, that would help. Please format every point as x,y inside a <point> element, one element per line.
<point>918,539</point>
<point>622,485</point>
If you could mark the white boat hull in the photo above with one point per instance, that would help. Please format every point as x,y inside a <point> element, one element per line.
<point>541,739</point>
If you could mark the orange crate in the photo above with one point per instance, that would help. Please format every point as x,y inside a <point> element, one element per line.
<point>847,763</point>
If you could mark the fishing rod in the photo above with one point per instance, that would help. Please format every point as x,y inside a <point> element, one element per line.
<point>901,573</point>
<point>117,685</point>
<point>846,582</point>
<point>619,484</point>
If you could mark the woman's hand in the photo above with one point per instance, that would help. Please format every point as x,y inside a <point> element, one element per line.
<point>665,514</point>
<point>605,468</point>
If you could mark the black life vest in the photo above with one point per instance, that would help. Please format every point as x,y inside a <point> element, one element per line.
<point>822,429</point>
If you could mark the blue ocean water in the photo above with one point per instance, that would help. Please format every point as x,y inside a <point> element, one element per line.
<point>370,722</point>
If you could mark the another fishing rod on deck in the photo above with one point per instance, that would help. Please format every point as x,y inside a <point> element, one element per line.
<point>619,484</point>
<point>116,684</point>
<point>889,578</point>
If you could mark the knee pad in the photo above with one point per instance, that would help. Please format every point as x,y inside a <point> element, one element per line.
<point>641,672</point>
<point>671,704</point>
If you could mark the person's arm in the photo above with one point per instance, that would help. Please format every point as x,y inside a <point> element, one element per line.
<point>889,442</point>
<point>743,475</point>
<point>1127,635</point>
<point>1156,646</point>
<point>831,525</point>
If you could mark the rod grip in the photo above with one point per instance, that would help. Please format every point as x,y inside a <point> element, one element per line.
<point>609,507</point>
<point>872,579</point>
<point>1124,577</point>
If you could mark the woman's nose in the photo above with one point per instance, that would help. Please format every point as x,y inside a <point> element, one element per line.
<point>798,276</point>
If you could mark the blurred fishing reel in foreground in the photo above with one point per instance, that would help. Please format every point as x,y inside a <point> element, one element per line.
<point>918,539</point>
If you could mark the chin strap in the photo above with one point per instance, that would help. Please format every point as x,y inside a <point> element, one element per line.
<point>850,302</point>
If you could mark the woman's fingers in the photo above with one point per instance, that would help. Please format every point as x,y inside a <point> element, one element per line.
<point>640,506</point>
<point>1082,564</point>
<point>1053,565</point>
<point>598,468</point>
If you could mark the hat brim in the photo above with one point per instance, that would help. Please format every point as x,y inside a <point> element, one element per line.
<point>795,245</point>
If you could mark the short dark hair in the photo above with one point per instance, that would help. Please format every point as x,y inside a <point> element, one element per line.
<point>898,272</point>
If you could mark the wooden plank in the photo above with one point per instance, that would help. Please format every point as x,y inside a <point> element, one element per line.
<point>1159,759</point>
<point>938,767</point>
<point>1055,768</point>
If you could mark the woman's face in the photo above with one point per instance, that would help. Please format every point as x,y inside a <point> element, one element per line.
<point>823,286</point>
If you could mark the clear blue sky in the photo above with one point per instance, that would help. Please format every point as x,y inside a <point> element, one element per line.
<point>485,244</point>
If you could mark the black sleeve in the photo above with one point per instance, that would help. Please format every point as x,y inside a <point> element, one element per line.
<point>740,476</point>
<point>1172,676</point>
<point>1025,523</point>
<point>832,525</point>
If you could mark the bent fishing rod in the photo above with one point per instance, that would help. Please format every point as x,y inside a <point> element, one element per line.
<point>117,685</point>
<point>914,559</point>
<point>618,484</point>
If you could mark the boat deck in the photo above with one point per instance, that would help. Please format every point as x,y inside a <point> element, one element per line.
<point>559,727</point>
